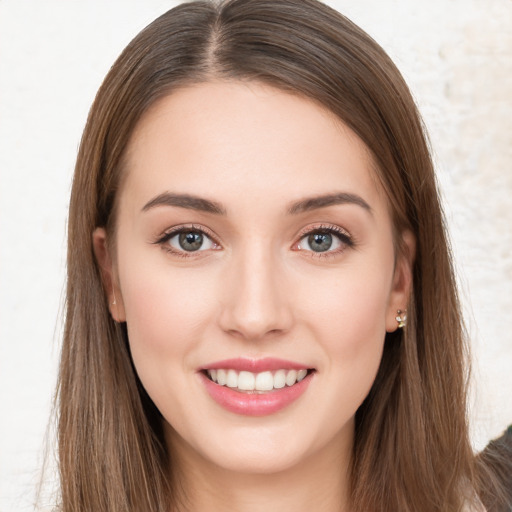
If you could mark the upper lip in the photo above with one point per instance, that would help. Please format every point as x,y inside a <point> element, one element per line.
<point>255,365</point>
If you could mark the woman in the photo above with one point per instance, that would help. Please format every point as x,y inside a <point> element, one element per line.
<point>261,309</point>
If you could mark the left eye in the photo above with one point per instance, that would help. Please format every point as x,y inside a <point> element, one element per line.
<point>190,241</point>
<point>321,241</point>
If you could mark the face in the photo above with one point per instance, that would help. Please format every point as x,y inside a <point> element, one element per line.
<point>256,271</point>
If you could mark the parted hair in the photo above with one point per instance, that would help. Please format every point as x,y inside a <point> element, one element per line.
<point>411,450</point>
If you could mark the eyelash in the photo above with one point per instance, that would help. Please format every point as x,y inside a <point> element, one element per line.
<point>344,238</point>
<point>171,233</point>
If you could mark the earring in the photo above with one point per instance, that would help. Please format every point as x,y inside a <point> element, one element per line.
<point>114,293</point>
<point>401,318</point>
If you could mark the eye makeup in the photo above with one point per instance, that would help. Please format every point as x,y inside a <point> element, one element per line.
<point>187,240</point>
<point>324,240</point>
<point>191,240</point>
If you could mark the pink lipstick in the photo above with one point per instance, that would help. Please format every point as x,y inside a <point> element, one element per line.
<point>255,387</point>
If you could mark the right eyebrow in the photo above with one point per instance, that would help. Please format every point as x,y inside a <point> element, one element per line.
<point>185,201</point>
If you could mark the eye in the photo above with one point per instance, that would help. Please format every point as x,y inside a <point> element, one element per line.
<point>187,240</point>
<point>324,240</point>
<point>190,241</point>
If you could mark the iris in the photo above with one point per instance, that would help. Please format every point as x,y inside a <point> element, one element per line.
<point>320,242</point>
<point>190,240</point>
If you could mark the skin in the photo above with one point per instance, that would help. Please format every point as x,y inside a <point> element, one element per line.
<point>259,290</point>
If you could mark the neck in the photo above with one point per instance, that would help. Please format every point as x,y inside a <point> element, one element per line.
<point>320,482</point>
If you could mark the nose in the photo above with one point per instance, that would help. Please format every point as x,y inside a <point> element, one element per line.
<point>255,302</point>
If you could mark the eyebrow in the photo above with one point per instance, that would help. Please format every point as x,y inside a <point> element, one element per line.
<point>185,201</point>
<point>191,202</point>
<point>313,203</point>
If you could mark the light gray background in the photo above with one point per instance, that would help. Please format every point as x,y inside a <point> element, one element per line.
<point>456,56</point>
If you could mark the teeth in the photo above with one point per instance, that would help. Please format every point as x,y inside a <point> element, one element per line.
<point>221,377</point>
<point>301,374</point>
<point>246,381</point>
<point>291,377</point>
<point>232,379</point>
<point>264,381</point>
<point>280,379</point>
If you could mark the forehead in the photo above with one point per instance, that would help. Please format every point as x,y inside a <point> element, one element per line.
<point>233,138</point>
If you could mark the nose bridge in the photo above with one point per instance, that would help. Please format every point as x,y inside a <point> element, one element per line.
<point>257,304</point>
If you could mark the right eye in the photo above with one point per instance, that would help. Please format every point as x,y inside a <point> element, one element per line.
<point>187,240</point>
<point>191,241</point>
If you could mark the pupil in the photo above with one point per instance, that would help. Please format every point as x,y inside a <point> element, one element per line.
<point>320,242</point>
<point>191,240</point>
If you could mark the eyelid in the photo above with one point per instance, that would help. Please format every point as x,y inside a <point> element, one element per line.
<point>169,233</point>
<point>342,234</point>
<point>331,228</point>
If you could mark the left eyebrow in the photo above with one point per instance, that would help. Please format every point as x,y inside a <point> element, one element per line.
<point>313,203</point>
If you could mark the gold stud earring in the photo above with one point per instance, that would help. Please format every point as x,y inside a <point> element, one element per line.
<point>401,318</point>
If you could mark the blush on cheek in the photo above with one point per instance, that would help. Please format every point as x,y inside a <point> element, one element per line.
<point>350,321</point>
<point>164,312</point>
<point>358,310</point>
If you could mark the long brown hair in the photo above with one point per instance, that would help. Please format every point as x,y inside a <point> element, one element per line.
<point>411,448</point>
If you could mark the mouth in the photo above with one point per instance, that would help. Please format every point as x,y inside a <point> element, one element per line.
<point>257,383</point>
<point>256,387</point>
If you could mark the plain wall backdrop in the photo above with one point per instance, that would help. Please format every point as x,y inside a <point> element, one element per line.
<point>457,58</point>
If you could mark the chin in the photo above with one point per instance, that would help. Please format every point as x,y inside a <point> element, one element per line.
<point>238,447</point>
<point>257,459</point>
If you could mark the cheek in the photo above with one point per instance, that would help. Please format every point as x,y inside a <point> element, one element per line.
<point>347,313</point>
<point>350,307</point>
<point>166,311</point>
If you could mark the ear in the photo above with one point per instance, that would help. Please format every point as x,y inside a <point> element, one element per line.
<point>108,275</point>
<point>402,280</point>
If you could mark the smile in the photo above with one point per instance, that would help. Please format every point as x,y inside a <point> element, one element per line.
<point>256,387</point>
<point>245,381</point>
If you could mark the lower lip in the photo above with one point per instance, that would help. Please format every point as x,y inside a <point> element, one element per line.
<point>255,404</point>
